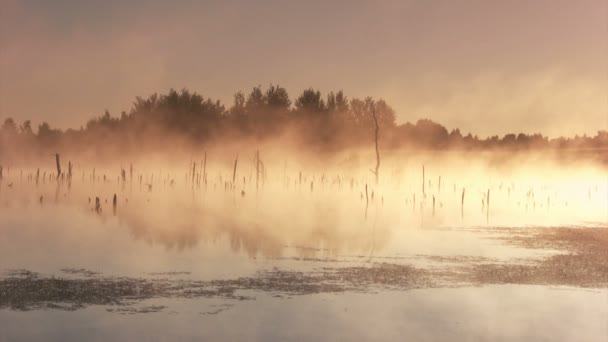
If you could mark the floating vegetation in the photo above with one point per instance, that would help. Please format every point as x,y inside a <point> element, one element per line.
<point>24,290</point>
<point>79,271</point>
<point>585,264</point>
<point>132,310</point>
<point>171,273</point>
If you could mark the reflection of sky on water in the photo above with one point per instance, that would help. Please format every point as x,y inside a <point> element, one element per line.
<point>499,313</point>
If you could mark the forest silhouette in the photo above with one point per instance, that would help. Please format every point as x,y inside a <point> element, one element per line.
<point>324,124</point>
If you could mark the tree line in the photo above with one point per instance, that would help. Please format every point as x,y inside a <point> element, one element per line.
<point>327,123</point>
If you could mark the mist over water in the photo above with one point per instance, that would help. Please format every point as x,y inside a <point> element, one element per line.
<point>221,232</point>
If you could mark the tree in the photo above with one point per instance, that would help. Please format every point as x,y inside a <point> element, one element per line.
<point>431,134</point>
<point>337,102</point>
<point>9,128</point>
<point>238,105</point>
<point>255,100</point>
<point>277,98</point>
<point>310,102</point>
<point>26,128</point>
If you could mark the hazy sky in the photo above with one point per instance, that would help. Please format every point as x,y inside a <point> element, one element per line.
<point>489,67</point>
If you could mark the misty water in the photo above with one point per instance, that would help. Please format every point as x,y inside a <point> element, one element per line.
<point>305,254</point>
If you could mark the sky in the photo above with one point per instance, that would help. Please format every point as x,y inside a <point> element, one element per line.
<point>486,67</point>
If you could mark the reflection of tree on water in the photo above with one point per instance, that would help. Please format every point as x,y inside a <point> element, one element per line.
<point>185,227</point>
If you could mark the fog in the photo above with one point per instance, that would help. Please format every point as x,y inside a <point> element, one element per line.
<point>297,200</point>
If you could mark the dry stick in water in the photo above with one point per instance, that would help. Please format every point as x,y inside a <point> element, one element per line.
<point>69,170</point>
<point>205,170</point>
<point>58,165</point>
<point>193,172</point>
<point>257,168</point>
<point>462,204</point>
<point>423,193</point>
<point>366,201</point>
<point>234,172</point>
<point>114,204</point>
<point>488,206</point>
<point>439,189</point>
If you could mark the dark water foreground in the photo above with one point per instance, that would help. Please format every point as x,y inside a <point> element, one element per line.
<point>467,297</point>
